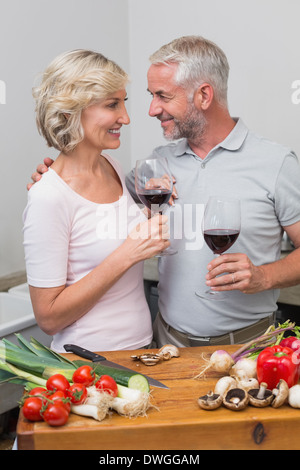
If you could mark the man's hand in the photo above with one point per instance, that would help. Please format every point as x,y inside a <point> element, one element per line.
<point>241,274</point>
<point>41,168</point>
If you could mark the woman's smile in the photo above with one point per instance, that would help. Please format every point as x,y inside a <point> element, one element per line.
<point>102,121</point>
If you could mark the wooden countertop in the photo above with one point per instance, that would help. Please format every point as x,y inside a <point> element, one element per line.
<point>175,422</point>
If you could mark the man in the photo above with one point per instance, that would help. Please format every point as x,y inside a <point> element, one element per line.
<point>218,155</point>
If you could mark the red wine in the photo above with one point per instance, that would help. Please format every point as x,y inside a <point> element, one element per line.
<point>154,196</point>
<point>220,240</point>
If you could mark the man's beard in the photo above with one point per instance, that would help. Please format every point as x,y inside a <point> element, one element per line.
<point>192,126</point>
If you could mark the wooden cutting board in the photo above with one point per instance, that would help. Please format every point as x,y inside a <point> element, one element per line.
<point>175,422</point>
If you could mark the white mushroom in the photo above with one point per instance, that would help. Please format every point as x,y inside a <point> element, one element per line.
<point>281,393</point>
<point>245,364</point>
<point>245,382</point>
<point>224,384</point>
<point>236,399</point>
<point>149,359</point>
<point>260,397</point>
<point>210,401</point>
<point>168,351</point>
<point>294,396</point>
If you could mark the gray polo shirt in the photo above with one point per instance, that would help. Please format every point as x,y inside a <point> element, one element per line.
<point>265,176</point>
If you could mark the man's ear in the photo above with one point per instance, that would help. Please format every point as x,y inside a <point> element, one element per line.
<point>203,96</point>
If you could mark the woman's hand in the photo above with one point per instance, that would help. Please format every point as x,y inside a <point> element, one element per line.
<point>148,238</point>
<point>235,271</point>
<point>41,168</point>
<point>174,194</point>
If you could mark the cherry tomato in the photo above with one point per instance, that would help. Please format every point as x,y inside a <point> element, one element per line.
<point>38,391</point>
<point>56,414</point>
<point>84,375</point>
<point>77,393</point>
<point>61,397</point>
<point>57,382</point>
<point>107,384</point>
<point>32,408</point>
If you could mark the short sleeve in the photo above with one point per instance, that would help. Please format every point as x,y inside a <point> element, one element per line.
<point>46,228</point>
<point>287,191</point>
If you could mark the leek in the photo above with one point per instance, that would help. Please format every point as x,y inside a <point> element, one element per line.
<point>44,351</point>
<point>31,362</point>
<point>21,374</point>
<point>26,345</point>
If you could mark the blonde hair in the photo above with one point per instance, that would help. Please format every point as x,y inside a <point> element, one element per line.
<point>199,60</point>
<point>73,81</point>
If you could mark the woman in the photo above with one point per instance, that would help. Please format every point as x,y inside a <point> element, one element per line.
<point>84,238</point>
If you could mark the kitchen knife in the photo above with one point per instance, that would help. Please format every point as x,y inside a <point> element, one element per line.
<point>94,357</point>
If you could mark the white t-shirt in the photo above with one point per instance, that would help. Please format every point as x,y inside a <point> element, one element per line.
<point>65,237</point>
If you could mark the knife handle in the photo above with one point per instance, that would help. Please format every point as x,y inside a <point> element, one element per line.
<point>82,352</point>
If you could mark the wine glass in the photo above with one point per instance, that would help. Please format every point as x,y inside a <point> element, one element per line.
<point>154,186</point>
<point>221,227</point>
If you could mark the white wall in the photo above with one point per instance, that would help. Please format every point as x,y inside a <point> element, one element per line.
<point>32,33</point>
<point>260,37</point>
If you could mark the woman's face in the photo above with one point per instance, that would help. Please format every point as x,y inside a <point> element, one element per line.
<point>102,121</point>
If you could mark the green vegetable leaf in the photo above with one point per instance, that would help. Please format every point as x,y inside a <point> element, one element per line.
<point>48,352</point>
<point>25,344</point>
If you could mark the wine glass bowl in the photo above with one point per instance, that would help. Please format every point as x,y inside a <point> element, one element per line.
<point>221,227</point>
<point>153,183</point>
<point>220,240</point>
<point>154,186</point>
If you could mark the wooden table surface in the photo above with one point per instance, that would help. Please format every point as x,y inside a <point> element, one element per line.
<point>175,422</point>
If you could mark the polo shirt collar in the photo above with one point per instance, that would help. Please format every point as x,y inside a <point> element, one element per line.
<point>232,142</point>
<point>236,138</point>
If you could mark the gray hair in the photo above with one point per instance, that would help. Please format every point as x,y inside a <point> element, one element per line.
<point>199,60</point>
<point>73,81</point>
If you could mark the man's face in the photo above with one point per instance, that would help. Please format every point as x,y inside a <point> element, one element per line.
<point>179,117</point>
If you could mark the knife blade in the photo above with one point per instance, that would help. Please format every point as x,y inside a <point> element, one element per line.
<point>94,357</point>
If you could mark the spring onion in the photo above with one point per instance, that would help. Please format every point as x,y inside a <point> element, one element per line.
<point>129,403</point>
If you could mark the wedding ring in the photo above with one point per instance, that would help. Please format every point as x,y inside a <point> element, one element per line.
<point>233,278</point>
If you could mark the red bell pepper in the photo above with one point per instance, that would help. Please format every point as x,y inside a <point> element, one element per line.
<point>275,363</point>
